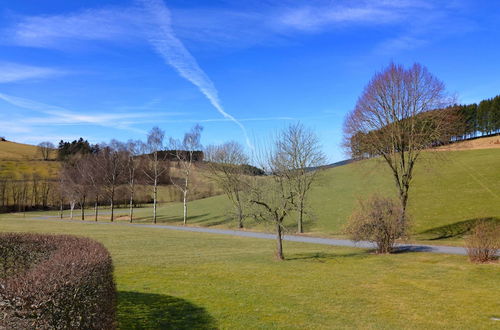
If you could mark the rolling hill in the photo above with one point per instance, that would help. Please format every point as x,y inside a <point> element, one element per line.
<point>452,189</point>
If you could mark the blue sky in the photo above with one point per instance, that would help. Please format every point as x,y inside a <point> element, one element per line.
<point>242,69</point>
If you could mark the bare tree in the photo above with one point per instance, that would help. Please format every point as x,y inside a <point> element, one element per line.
<point>225,166</point>
<point>111,161</point>
<point>69,187</point>
<point>156,165</point>
<point>45,148</point>
<point>272,197</point>
<point>299,157</point>
<point>95,179</point>
<point>184,152</point>
<point>134,149</point>
<point>394,119</point>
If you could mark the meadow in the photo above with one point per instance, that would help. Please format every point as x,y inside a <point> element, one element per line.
<point>170,279</point>
<point>452,190</point>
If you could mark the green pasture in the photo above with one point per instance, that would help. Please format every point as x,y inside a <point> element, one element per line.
<point>170,279</point>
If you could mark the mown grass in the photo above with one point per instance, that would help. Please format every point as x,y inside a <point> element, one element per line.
<point>450,189</point>
<point>169,279</point>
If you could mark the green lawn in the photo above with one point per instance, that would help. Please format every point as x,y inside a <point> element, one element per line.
<point>196,280</point>
<point>451,191</point>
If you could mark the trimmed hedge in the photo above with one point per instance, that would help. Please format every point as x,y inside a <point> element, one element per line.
<point>55,282</point>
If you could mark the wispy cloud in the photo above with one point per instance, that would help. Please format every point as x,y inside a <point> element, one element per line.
<point>118,24</point>
<point>55,115</point>
<point>13,72</point>
<point>163,39</point>
<point>231,26</point>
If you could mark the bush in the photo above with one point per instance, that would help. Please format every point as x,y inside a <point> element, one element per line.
<point>379,220</point>
<point>483,244</point>
<point>55,282</point>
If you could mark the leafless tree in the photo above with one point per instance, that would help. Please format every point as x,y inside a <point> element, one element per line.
<point>394,119</point>
<point>134,149</point>
<point>184,152</point>
<point>225,166</point>
<point>111,161</point>
<point>45,148</point>
<point>69,186</point>
<point>95,179</point>
<point>299,156</point>
<point>156,165</point>
<point>272,197</point>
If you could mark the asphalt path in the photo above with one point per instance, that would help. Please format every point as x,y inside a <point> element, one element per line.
<point>293,238</point>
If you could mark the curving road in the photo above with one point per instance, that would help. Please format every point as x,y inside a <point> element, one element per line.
<point>293,238</point>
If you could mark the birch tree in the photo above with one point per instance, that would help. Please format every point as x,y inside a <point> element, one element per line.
<point>156,162</point>
<point>184,153</point>
<point>133,163</point>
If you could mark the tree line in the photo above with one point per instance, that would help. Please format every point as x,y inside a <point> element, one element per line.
<point>479,119</point>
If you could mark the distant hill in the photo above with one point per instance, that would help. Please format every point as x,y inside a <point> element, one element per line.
<point>19,151</point>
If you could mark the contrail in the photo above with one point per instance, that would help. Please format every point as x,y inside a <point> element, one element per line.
<point>174,52</point>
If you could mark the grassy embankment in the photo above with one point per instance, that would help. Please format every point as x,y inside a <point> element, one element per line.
<point>452,189</point>
<point>169,279</point>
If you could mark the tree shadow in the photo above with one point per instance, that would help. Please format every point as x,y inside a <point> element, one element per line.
<point>323,257</point>
<point>455,230</point>
<point>138,310</point>
<point>166,219</point>
<point>410,249</point>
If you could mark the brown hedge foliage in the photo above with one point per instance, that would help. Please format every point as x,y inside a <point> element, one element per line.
<point>483,243</point>
<point>55,282</point>
<point>379,220</point>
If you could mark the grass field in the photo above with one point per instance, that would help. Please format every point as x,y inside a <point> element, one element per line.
<point>169,279</point>
<point>451,191</point>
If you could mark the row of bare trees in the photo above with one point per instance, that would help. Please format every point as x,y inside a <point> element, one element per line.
<point>130,166</point>
<point>27,192</point>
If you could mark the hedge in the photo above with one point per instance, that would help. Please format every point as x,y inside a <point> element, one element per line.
<point>55,282</point>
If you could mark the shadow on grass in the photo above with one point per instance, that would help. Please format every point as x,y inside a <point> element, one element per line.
<point>166,219</point>
<point>322,257</point>
<point>154,311</point>
<point>454,230</point>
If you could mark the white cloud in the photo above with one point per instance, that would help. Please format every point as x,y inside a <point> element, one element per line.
<point>12,72</point>
<point>54,115</point>
<point>57,31</point>
<point>163,39</point>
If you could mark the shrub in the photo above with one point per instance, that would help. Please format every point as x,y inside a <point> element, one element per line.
<point>483,243</point>
<point>379,220</point>
<point>55,282</point>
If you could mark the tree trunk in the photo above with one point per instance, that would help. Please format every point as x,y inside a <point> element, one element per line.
<point>83,208</point>
<point>131,206</point>
<point>155,192</point>
<point>279,241</point>
<point>96,207</point>
<point>185,207</point>
<point>239,209</point>
<point>300,228</point>
<point>185,193</point>
<point>72,206</point>
<point>61,209</point>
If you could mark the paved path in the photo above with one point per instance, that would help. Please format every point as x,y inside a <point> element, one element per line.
<point>293,238</point>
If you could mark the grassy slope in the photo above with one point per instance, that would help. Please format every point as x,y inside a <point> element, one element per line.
<point>17,159</point>
<point>449,188</point>
<point>191,280</point>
